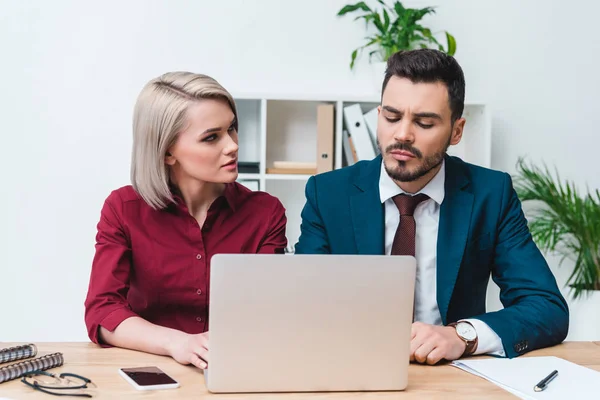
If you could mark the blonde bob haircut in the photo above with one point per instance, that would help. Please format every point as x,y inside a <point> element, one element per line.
<point>159,116</point>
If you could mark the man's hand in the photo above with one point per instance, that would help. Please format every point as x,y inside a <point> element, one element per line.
<point>430,343</point>
<point>190,349</point>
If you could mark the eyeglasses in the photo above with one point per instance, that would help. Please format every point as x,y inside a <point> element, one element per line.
<point>66,384</point>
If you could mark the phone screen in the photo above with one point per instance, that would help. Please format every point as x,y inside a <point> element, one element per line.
<point>148,376</point>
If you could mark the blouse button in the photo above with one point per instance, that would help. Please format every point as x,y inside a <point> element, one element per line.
<point>199,292</point>
<point>198,256</point>
<point>198,319</point>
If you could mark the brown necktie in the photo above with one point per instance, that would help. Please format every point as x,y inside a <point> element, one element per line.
<point>404,240</point>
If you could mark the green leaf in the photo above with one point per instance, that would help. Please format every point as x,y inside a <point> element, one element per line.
<point>399,8</point>
<point>371,54</point>
<point>563,222</point>
<point>419,14</point>
<point>386,20</point>
<point>451,44</point>
<point>367,18</point>
<point>354,54</point>
<point>353,7</point>
<point>378,24</point>
<point>373,40</point>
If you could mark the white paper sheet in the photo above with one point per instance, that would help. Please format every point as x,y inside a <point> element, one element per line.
<point>520,375</point>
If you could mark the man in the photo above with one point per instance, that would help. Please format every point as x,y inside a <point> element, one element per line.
<point>461,222</point>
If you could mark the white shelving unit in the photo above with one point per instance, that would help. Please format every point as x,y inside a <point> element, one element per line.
<point>284,128</point>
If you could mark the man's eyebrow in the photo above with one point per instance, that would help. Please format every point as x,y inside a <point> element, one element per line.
<point>417,115</point>
<point>391,109</point>
<point>428,115</point>
<point>212,130</point>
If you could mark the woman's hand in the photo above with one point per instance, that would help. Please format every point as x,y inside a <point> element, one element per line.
<point>186,348</point>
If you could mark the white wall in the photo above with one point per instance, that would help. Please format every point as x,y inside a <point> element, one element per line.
<point>71,71</point>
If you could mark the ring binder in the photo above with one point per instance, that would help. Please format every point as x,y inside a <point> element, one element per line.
<point>17,353</point>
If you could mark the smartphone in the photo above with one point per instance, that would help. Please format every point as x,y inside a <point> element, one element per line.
<point>148,378</point>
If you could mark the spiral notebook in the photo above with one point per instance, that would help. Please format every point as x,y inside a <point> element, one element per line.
<point>17,353</point>
<point>21,368</point>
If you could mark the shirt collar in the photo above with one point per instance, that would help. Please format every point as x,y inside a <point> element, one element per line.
<point>434,189</point>
<point>230,196</point>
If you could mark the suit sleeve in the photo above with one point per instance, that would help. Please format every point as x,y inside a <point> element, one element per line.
<point>313,236</point>
<point>535,314</point>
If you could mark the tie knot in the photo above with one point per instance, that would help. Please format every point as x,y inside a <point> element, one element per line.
<point>406,204</point>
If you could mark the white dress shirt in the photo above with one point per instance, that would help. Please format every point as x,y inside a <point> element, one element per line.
<point>427,216</point>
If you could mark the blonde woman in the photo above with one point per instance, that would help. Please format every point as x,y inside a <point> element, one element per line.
<point>148,288</point>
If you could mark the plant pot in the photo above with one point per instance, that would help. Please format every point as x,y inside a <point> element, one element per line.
<point>584,320</point>
<point>377,75</point>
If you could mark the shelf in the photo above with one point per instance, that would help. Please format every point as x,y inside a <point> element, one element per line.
<point>328,98</point>
<point>274,177</point>
<point>283,127</point>
<point>249,176</point>
<point>291,177</point>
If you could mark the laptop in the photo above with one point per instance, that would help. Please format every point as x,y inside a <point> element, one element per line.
<point>309,323</point>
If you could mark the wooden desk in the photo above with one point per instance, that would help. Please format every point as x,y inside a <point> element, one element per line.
<point>100,365</point>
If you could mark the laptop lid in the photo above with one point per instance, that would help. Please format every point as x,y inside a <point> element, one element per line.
<point>283,323</point>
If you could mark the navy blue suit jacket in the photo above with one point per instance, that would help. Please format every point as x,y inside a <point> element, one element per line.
<point>482,231</point>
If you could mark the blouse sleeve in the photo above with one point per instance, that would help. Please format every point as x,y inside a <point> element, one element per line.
<point>106,303</point>
<point>275,241</point>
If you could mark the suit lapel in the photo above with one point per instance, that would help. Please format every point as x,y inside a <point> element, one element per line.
<point>455,219</point>
<point>367,211</point>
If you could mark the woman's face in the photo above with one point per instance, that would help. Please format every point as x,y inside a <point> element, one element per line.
<point>207,149</point>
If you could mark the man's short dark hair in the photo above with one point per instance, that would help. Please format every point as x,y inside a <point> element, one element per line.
<point>430,66</point>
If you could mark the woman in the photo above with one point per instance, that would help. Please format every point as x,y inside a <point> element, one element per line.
<point>148,288</point>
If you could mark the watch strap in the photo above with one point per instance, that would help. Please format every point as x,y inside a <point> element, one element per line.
<point>471,344</point>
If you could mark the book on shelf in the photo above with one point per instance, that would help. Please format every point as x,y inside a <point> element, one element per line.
<point>349,151</point>
<point>248,167</point>
<point>371,122</point>
<point>294,164</point>
<point>357,128</point>
<point>292,171</point>
<point>325,133</point>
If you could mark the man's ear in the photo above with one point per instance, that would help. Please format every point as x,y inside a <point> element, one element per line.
<point>169,159</point>
<point>457,131</point>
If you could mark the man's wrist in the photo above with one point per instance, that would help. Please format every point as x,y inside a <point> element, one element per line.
<point>466,332</point>
<point>458,338</point>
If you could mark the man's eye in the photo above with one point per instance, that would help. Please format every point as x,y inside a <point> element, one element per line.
<point>392,120</point>
<point>424,126</point>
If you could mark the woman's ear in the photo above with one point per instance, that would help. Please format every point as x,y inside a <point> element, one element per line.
<point>169,159</point>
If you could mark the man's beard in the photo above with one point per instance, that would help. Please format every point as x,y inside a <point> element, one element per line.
<point>402,174</point>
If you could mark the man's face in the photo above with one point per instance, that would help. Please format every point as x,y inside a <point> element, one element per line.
<point>415,128</point>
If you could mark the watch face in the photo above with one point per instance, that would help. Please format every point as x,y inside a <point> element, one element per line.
<point>466,331</point>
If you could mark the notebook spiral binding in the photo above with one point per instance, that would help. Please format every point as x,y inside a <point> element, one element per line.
<point>14,371</point>
<point>17,353</point>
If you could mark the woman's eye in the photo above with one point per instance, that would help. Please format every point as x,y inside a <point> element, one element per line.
<point>210,138</point>
<point>231,129</point>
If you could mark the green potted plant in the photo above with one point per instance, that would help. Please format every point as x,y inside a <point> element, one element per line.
<point>564,222</point>
<point>395,28</point>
